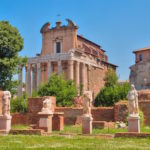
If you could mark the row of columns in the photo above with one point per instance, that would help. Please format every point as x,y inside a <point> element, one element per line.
<point>33,75</point>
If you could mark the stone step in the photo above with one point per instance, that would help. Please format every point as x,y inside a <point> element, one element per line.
<point>103,124</point>
<point>3,132</point>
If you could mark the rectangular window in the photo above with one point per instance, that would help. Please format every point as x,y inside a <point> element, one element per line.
<point>58,47</point>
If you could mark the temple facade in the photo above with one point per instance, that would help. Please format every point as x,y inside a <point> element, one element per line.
<point>64,51</point>
<point>140,71</point>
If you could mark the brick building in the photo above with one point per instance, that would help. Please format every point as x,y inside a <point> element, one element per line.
<point>140,71</point>
<point>63,50</point>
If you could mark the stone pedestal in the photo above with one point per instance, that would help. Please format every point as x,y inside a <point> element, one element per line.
<point>58,121</point>
<point>87,124</point>
<point>5,123</point>
<point>45,122</point>
<point>134,124</point>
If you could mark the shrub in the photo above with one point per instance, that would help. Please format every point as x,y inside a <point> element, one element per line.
<point>112,92</point>
<point>141,118</point>
<point>19,104</point>
<point>57,86</point>
<point>111,78</point>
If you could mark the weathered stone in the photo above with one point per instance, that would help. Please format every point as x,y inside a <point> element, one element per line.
<point>134,124</point>
<point>63,51</point>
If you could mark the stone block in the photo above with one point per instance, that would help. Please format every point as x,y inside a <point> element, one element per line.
<point>134,124</point>
<point>5,123</point>
<point>45,122</point>
<point>58,121</point>
<point>103,124</point>
<point>87,125</point>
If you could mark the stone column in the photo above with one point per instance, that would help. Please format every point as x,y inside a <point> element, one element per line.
<point>83,76</point>
<point>29,84</point>
<point>70,69</point>
<point>49,65</point>
<point>26,82</point>
<point>77,75</point>
<point>59,68</point>
<point>88,77</point>
<point>34,77</point>
<point>38,74</point>
<point>20,80</point>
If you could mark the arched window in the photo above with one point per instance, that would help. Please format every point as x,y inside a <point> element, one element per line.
<point>140,57</point>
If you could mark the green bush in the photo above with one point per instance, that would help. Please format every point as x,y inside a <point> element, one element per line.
<point>112,92</point>
<point>141,118</point>
<point>57,86</point>
<point>19,104</point>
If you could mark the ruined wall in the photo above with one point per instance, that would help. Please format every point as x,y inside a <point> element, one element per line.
<point>71,114</point>
<point>1,94</point>
<point>138,73</point>
<point>35,104</point>
<point>20,118</point>
<point>145,107</point>
<point>121,111</point>
<point>143,95</point>
<point>96,79</point>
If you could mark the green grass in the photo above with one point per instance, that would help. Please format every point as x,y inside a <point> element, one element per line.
<point>78,130</point>
<point>71,129</point>
<point>73,141</point>
<point>21,142</point>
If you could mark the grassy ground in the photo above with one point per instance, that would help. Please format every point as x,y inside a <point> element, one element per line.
<point>78,129</point>
<point>73,142</point>
<point>21,142</point>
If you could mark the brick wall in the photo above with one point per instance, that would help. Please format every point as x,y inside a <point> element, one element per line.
<point>145,107</point>
<point>99,114</point>
<point>121,111</point>
<point>103,114</point>
<point>35,104</point>
<point>143,95</point>
<point>1,94</point>
<point>71,114</point>
<point>20,118</point>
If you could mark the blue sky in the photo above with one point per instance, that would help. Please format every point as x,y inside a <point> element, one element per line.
<point>119,26</point>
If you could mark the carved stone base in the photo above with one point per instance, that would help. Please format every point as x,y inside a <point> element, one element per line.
<point>45,122</point>
<point>5,123</point>
<point>134,124</point>
<point>87,124</point>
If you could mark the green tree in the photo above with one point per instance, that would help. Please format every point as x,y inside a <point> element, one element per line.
<point>111,78</point>
<point>113,91</point>
<point>11,43</point>
<point>57,86</point>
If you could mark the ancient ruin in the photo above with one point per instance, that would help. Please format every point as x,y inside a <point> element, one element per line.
<point>139,72</point>
<point>5,117</point>
<point>87,117</point>
<point>46,114</point>
<point>133,118</point>
<point>64,51</point>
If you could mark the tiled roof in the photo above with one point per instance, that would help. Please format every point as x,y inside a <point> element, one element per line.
<point>79,36</point>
